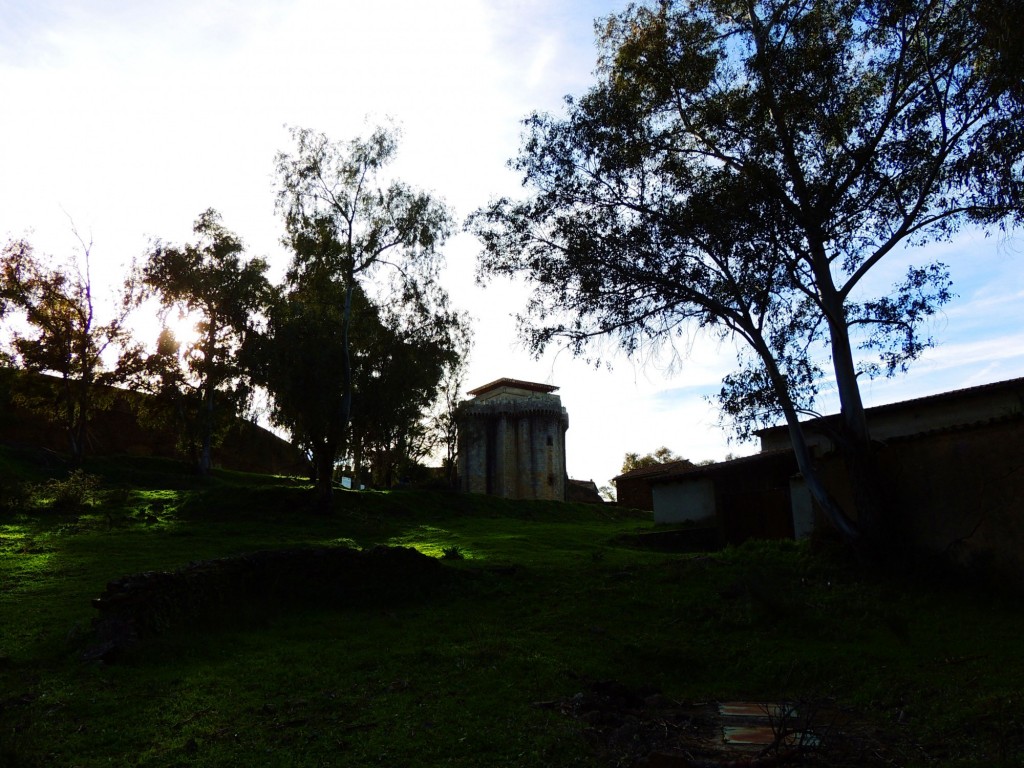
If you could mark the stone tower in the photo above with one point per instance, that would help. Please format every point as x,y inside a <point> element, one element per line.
<point>512,441</point>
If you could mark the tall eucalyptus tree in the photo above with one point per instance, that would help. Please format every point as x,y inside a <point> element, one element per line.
<point>743,166</point>
<point>347,223</point>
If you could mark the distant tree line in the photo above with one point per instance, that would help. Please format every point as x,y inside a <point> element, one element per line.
<point>662,455</point>
<point>358,349</point>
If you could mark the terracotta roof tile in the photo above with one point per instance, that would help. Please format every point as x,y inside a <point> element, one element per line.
<point>533,386</point>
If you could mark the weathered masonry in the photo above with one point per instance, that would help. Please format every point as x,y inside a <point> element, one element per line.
<point>512,441</point>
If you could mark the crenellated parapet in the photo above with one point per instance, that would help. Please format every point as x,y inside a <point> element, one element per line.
<point>534,407</point>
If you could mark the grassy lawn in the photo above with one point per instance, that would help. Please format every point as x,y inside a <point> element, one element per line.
<point>553,603</point>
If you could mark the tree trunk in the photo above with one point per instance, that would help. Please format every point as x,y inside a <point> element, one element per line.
<point>323,460</point>
<point>346,359</point>
<point>452,460</point>
<point>345,406</point>
<point>857,451</point>
<point>81,427</point>
<point>70,424</point>
<point>854,439</point>
<point>73,419</point>
<point>829,506</point>
<point>206,453</point>
<point>357,462</point>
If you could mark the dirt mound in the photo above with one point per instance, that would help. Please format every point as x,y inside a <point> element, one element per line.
<point>214,591</point>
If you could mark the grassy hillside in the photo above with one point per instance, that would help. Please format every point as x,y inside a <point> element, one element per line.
<point>560,643</point>
<point>115,428</point>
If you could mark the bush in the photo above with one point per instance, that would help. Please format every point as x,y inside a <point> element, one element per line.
<point>14,496</point>
<point>454,552</point>
<point>71,494</point>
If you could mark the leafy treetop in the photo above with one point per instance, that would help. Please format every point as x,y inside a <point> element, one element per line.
<point>743,166</point>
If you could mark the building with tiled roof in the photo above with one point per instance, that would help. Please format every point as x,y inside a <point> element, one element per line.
<point>633,488</point>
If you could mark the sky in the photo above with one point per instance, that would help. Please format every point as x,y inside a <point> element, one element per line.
<point>124,120</point>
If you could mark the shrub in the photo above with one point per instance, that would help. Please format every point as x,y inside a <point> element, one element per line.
<point>14,496</point>
<point>71,494</point>
<point>454,552</point>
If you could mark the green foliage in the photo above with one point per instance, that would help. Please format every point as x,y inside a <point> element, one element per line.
<point>74,493</point>
<point>203,386</point>
<point>743,168</point>
<point>661,456</point>
<point>364,275</point>
<point>60,334</point>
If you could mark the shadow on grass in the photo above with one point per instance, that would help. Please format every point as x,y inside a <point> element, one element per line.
<point>226,590</point>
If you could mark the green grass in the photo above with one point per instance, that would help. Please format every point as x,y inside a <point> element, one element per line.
<point>550,603</point>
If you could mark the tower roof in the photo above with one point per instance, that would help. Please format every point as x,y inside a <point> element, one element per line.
<point>532,386</point>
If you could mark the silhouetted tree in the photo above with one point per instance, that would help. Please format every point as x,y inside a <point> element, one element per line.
<point>299,360</point>
<point>211,280</point>
<point>396,365</point>
<point>444,422</point>
<point>661,456</point>
<point>743,166</point>
<point>345,224</point>
<point>56,331</point>
<point>399,370</point>
<point>174,396</point>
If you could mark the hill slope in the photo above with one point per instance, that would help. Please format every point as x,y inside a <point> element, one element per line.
<point>115,430</point>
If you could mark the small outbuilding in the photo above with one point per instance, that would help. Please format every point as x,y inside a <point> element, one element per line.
<point>950,462</point>
<point>743,498</point>
<point>633,488</point>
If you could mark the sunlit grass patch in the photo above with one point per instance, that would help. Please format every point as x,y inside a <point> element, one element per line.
<point>25,555</point>
<point>25,567</point>
<point>13,535</point>
<point>434,541</point>
<point>156,508</point>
